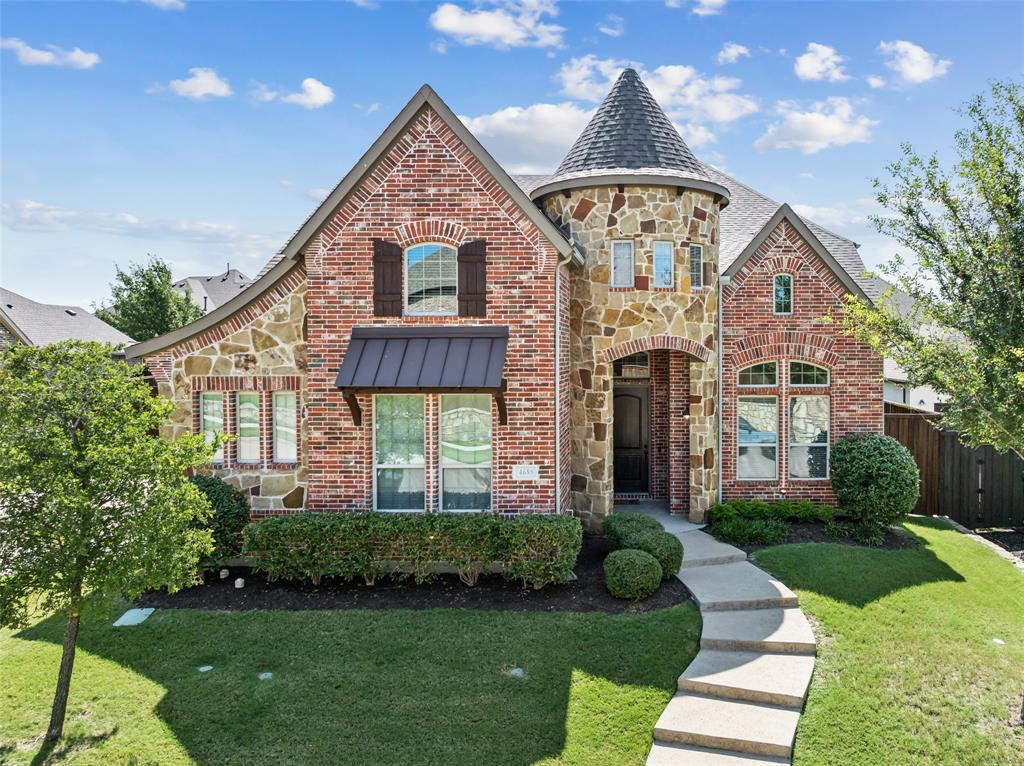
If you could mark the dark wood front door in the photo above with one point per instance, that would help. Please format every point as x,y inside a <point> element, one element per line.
<point>631,438</point>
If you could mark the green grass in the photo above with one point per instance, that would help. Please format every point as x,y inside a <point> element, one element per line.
<point>350,687</point>
<point>907,671</point>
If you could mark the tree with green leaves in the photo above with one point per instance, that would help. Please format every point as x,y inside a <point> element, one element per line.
<point>93,505</point>
<point>144,304</point>
<point>964,336</point>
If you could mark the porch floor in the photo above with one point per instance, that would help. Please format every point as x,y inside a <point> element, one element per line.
<point>677,524</point>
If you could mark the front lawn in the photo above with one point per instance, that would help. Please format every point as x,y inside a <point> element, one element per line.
<point>350,687</point>
<point>908,671</point>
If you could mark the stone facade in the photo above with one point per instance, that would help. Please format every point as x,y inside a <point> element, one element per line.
<point>608,323</point>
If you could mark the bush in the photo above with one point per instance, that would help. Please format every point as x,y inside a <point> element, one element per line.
<point>874,478</point>
<point>230,515</point>
<point>863,532</point>
<point>536,549</point>
<point>618,525</point>
<point>783,510</point>
<point>631,574</point>
<point>665,547</point>
<point>836,528</point>
<point>742,531</point>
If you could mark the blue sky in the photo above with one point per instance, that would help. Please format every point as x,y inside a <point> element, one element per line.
<point>205,132</point>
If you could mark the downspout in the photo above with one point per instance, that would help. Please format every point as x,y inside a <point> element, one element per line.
<point>564,261</point>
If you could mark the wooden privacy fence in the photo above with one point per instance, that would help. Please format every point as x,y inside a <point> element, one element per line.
<point>977,487</point>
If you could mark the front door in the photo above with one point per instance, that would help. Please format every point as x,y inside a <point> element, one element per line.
<point>630,434</point>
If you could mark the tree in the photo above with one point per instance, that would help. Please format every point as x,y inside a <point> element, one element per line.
<point>92,505</point>
<point>143,303</point>
<point>965,334</point>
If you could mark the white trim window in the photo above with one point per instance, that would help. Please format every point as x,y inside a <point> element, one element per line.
<point>399,452</point>
<point>757,437</point>
<point>664,265</point>
<point>782,293</point>
<point>696,266</point>
<point>806,374</point>
<point>286,434</point>
<point>808,437</point>
<point>622,264</point>
<point>466,449</point>
<point>431,280</point>
<point>211,420</point>
<point>761,374</point>
<point>247,415</point>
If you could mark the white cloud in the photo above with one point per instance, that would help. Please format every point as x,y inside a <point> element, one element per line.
<point>847,213</point>
<point>167,5</point>
<point>317,194</point>
<point>314,94</point>
<point>367,108</point>
<point>807,174</point>
<point>507,24</point>
<point>589,78</point>
<point>696,135</point>
<point>708,7</point>
<point>732,52</point>
<point>912,63</point>
<point>820,62</point>
<point>262,93</point>
<point>203,84</point>
<point>530,139</point>
<point>875,81</point>
<point>369,5</point>
<point>828,123</point>
<point>53,55</point>
<point>613,26</point>
<point>439,45</point>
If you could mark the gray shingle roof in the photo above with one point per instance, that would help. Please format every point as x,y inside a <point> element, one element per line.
<point>217,288</point>
<point>44,323</point>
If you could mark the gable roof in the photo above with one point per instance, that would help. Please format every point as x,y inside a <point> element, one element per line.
<point>41,324</point>
<point>216,288</point>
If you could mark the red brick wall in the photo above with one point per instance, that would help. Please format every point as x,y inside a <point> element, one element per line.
<point>429,175</point>
<point>752,334</point>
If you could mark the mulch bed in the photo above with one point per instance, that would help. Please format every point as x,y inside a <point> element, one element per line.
<point>815,533</point>
<point>1010,539</point>
<point>586,594</point>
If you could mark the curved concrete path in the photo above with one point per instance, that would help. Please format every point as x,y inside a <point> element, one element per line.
<point>740,699</point>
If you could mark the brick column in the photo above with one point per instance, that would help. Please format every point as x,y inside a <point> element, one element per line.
<point>678,432</point>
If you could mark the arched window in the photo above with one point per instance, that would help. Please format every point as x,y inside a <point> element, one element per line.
<point>763,374</point>
<point>632,366</point>
<point>431,280</point>
<point>804,374</point>
<point>782,289</point>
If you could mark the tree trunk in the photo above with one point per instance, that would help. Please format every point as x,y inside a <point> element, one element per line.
<point>67,662</point>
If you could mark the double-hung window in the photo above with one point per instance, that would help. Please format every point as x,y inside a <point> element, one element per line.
<point>664,268</point>
<point>286,442</point>
<point>696,266</point>
<point>399,452</point>
<point>758,421</point>
<point>465,452</point>
<point>211,420</point>
<point>782,290</point>
<point>808,437</point>
<point>247,406</point>
<point>431,280</point>
<point>622,264</point>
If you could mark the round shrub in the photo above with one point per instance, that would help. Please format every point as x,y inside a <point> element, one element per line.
<point>620,525</point>
<point>665,547</point>
<point>874,477</point>
<point>230,515</point>
<point>631,574</point>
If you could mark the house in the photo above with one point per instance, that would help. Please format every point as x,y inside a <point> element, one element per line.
<point>440,335</point>
<point>210,292</point>
<point>40,324</point>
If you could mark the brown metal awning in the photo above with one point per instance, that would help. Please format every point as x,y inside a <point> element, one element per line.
<point>424,360</point>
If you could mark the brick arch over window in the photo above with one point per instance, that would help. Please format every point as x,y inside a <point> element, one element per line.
<point>653,342</point>
<point>799,346</point>
<point>431,230</point>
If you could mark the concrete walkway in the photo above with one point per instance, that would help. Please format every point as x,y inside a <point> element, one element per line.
<point>740,699</point>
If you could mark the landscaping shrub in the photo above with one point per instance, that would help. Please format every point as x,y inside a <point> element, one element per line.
<point>230,515</point>
<point>618,525</point>
<point>665,547</point>
<point>536,549</point>
<point>874,478</point>
<point>863,532</point>
<point>782,510</point>
<point>742,531</point>
<point>836,528</point>
<point>631,574</point>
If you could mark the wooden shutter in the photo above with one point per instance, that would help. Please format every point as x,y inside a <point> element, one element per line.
<point>473,279</point>
<point>387,279</point>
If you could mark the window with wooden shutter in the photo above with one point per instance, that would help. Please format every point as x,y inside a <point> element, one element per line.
<point>387,278</point>
<point>473,279</point>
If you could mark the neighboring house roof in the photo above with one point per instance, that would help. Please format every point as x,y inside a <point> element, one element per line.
<point>210,292</point>
<point>40,324</point>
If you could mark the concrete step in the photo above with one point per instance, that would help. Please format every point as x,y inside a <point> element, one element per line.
<point>776,679</point>
<point>765,630</point>
<point>735,586</point>
<point>720,724</point>
<point>668,754</point>
<point>701,549</point>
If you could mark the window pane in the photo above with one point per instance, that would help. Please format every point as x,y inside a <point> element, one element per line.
<point>632,366</point>
<point>248,427</point>
<point>466,489</point>
<point>808,462</point>
<point>803,374</point>
<point>400,489</point>
<point>466,429</point>
<point>285,435</point>
<point>783,294</point>
<point>432,274</point>
<point>808,420</point>
<point>663,267</point>
<point>696,266</point>
<point>758,375</point>
<point>756,463</point>
<point>212,419</point>
<point>622,264</point>
<point>398,429</point>
<point>758,425</point>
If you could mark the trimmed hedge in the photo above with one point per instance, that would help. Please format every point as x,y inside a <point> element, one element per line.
<point>230,515</point>
<point>743,531</point>
<point>535,549</point>
<point>631,574</point>
<point>619,525</point>
<point>874,477</point>
<point>782,510</point>
<point>665,547</point>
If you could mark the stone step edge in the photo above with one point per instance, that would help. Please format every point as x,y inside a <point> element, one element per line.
<point>707,561</point>
<point>778,602</point>
<point>677,753</point>
<point>753,645</point>
<point>740,694</point>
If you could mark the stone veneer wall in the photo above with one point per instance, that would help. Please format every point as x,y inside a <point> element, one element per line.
<point>608,323</point>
